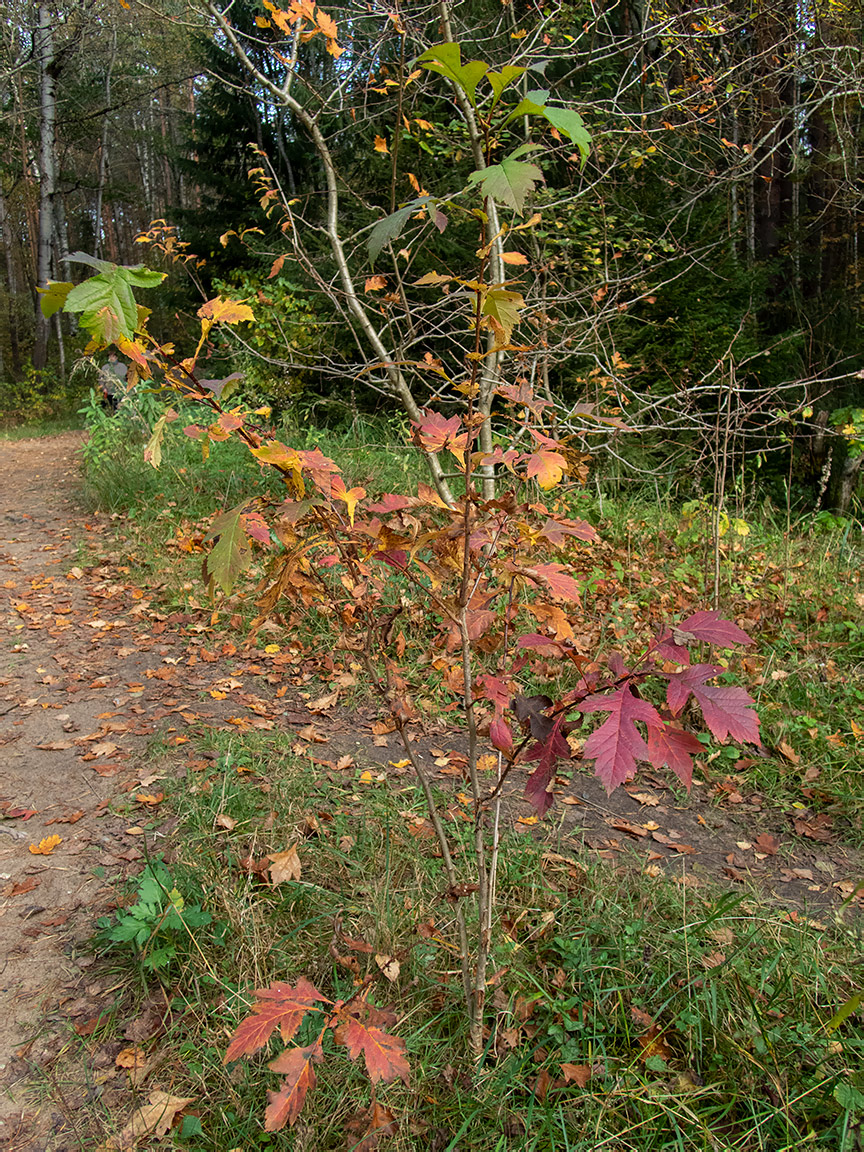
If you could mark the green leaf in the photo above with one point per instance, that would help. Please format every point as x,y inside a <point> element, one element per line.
<point>503,79</point>
<point>502,309</point>
<point>54,296</point>
<point>571,125</point>
<point>91,261</point>
<point>390,228</point>
<point>231,553</point>
<point>849,1097</point>
<point>510,181</point>
<point>446,60</point>
<point>533,104</point>
<point>845,1011</point>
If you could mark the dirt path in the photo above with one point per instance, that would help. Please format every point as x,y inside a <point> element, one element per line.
<point>89,672</point>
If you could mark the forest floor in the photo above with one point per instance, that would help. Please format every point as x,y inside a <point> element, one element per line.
<point>92,677</point>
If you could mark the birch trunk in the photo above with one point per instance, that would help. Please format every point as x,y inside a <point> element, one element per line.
<point>47,170</point>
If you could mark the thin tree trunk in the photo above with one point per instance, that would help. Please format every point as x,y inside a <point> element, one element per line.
<point>11,285</point>
<point>47,171</point>
<point>103,150</point>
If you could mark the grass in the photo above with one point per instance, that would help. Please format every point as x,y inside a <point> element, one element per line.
<point>47,426</point>
<point>698,1018</point>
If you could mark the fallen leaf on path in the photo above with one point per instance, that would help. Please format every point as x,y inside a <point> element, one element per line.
<point>72,818</point>
<point>56,746</point>
<point>767,844</point>
<point>225,821</point>
<point>133,1057</point>
<point>21,887</point>
<point>815,827</point>
<point>46,845</point>
<point>311,733</point>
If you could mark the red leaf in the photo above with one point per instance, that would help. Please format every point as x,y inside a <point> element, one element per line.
<point>713,629</point>
<point>617,745</point>
<point>295,1064</point>
<point>555,531</point>
<point>681,684</point>
<point>672,746</point>
<point>280,1006</point>
<point>501,736</point>
<point>547,752</point>
<point>557,579</point>
<point>728,711</point>
<point>384,1054</point>
<point>435,433</point>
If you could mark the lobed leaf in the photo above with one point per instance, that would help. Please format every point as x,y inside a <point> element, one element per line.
<point>279,1006</point>
<point>295,1064</point>
<point>384,1054</point>
<point>547,753</point>
<point>509,181</point>
<point>617,744</point>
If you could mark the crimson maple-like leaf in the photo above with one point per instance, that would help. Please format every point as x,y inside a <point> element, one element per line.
<point>617,744</point>
<point>384,1053</point>
<point>674,747</point>
<point>295,1064</point>
<point>557,579</point>
<point>547,752</point>
<point>713,629</point>
<point>727,710</point>
<point>279,1006</point>
<point>501,736</point>
<point>434,433</point>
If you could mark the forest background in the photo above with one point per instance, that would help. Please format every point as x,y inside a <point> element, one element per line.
<point>698,274</point>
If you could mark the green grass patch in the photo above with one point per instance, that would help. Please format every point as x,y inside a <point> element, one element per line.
<point>684,1019</point>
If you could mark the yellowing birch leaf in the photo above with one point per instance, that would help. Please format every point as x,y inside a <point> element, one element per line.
<point>381,144</point>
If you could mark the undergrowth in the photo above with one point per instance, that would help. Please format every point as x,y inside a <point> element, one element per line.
<point>630,1011</point>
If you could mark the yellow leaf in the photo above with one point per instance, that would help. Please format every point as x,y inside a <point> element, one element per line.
<point>46,846</point>
<point>381,144</point>
<point>529,820</point>
<point>399,763</point>
<point>366,777</point>
<point>272,649</point>
<point>223,311</point>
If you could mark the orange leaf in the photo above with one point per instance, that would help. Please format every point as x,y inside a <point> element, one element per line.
<point>375,284</point>
<point>277,267</point>
<point>546,467</point>
<point>384,1054</point>
<point>381,144</point>
<point>46,846</point>
<point>514,258</point>
<point>279,1006</point>
<point>295,1064</point>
